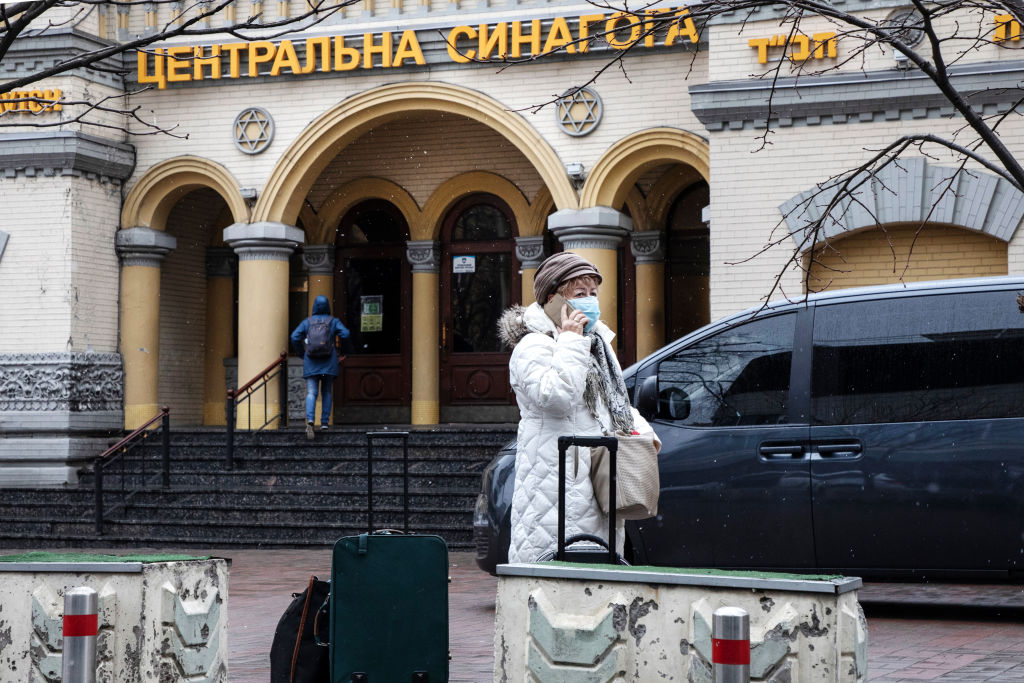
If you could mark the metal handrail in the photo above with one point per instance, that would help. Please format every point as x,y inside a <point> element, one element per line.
<point>121,448</point>
<point>278,368</point>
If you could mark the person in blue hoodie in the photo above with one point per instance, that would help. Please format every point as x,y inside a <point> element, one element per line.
<point>320,358</point>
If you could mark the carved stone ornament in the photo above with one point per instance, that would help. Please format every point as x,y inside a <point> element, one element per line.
<point>424,256</point>
<point>648,247</point>
<point>76,382</point>
<point>253,130</point>
<point>579,111</point>
<point>318,259</point>
<point>530,251</point>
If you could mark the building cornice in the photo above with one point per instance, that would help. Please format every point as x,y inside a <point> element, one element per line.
<point>49,153</point>
<point>30,55</point>
<point>890,95</point>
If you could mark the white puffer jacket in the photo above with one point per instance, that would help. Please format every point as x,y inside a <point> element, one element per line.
<point>548,372</point>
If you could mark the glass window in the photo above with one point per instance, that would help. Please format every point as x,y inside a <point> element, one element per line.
<point>948,357</point>
<point>478,299</point>
<point>739,376</point>
<point>481,222</point>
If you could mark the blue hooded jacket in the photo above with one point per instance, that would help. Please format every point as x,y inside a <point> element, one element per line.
<point>319,366</point>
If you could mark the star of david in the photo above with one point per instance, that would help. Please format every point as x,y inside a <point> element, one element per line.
<point>580,112</point>
<point>254,129</point>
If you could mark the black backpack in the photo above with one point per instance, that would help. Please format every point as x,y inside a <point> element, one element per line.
<point>295,655</point>
<point>318,338</point>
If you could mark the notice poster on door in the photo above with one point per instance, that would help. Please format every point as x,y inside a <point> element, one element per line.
<point>371,313</point>
<point>463,264</point>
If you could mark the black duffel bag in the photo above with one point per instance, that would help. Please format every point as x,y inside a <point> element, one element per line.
<point>296,655</point>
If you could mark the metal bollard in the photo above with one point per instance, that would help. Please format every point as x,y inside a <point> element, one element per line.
<point>730,645</point>
<point>81,624</point>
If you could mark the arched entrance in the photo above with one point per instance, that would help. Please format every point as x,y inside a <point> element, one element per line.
<point>372,293</point>
<point>479,280</point>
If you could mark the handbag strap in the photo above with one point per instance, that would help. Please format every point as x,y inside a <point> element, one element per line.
<point>316,622</point>
<point>302,624</point>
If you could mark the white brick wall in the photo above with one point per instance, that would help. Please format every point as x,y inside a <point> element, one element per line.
<point>59,273</point>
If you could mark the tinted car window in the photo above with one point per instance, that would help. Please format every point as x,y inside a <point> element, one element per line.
<point>739,376</point>
<point>947,357</point>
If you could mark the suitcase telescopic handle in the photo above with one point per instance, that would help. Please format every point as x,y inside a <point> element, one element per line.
<point>370,436</point>
<point>612,444</point>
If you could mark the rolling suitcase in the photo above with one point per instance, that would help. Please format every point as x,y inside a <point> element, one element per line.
<point>598,550</point>
<point>389,601</point>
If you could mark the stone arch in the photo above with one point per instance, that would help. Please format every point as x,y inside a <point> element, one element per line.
<point>154,195</point>
<point>618,168</point>
<point>361,189</point>
<point>454,189</point>
<point>541,206</point>
<point>666,190</point>
<point>325,137</point>
<point>912,191</point>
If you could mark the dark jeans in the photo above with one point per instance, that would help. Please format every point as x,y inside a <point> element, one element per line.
<point>326,386</point>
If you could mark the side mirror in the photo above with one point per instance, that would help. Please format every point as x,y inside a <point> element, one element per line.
<point>674,404</point>
<point>647,397</point>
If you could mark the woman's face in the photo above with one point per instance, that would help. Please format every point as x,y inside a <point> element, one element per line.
<point>579,288</point>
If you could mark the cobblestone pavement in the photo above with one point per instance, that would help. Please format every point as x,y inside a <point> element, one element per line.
<point>941,636</point>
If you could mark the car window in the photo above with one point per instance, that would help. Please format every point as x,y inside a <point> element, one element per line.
<point>944,357</point>
<point>739,376</point>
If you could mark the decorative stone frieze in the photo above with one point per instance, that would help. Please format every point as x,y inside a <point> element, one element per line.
<point>75,382</point>
<point>263,241</point>
<point>424,256</point>
<point>143,246</point>
<point>530,251</point>
<point>648,246</point>
<point>599,227</point>
<point>221,262</point>
<point>318,259</point>
<point>65,153</point>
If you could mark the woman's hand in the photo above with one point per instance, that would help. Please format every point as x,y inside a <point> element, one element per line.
<point>573,320</point>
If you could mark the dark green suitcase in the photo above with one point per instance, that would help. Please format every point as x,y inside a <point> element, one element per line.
<point>389,607</point>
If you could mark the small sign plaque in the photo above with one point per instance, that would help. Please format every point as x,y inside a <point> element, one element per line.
<point>371,317</point>
<point>463,264</point>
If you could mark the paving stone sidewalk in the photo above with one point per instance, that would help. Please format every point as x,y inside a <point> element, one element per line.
<point>940,644</point>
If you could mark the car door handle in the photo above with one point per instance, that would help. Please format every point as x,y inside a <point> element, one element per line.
<point>846,449</point>
<point>787,451</point>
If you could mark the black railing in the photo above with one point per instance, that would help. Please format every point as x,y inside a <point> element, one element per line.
<point>117,454</point>
<point>259,383</point>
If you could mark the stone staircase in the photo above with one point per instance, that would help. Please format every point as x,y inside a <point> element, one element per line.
<point>283,491</point>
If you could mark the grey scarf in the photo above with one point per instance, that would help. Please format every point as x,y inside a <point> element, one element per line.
<point>604,379</point>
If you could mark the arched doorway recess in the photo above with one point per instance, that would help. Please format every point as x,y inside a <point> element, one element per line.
<point>479,280</point>
<point>372,294</point>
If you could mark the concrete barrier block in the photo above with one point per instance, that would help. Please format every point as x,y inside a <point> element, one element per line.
<point>160,621</point>
<point>566,623</point>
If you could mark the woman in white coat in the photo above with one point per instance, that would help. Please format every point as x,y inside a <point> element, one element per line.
<point>567,380</point>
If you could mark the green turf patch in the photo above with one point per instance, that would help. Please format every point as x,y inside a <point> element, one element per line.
<point>704,572</point>
<point>91,557</point>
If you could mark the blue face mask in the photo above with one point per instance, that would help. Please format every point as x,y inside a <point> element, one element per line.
<point>590,308</point>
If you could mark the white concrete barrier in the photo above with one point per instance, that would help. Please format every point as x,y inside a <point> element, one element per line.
<point>159,621</point>
<point>557,622</point>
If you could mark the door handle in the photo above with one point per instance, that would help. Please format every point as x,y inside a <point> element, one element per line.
<point>847,449</point>
<point>786,451</point>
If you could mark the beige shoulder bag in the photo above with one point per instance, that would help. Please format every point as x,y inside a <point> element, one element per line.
<point>638,485</point>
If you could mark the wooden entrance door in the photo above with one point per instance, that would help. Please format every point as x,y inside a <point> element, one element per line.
<point>373,289</point>
<point>479,280</point>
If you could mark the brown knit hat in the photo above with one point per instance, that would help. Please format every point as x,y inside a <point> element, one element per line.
<point>557,269</point>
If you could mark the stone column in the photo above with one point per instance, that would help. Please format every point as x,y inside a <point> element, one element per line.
<point>141,251</point>
<point>319,262</point>
<point>221,267</point>
<point>425,257</point>
<point>530,252</point>
<point>263,250</point>
<point>649,251</point>
<point>595,234</point>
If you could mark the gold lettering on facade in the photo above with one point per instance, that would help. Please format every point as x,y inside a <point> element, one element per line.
<point>30,101</point>
<point>801,47</point>
<point>1007,28</point>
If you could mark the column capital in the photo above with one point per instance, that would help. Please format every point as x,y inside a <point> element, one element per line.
<point>424,255</point>
<point>648,246</point>
<point>318,259</point>
<point>143,246</point>
<point>220,262</point>
<point>599,227</point>
<point>530,251</point>
<point>263,241</point>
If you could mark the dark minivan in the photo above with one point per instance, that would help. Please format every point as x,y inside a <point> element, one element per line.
<point>875,431</point>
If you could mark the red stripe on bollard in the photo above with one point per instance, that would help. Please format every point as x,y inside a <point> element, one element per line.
<point>76,625</point>
<point>730,651</point>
